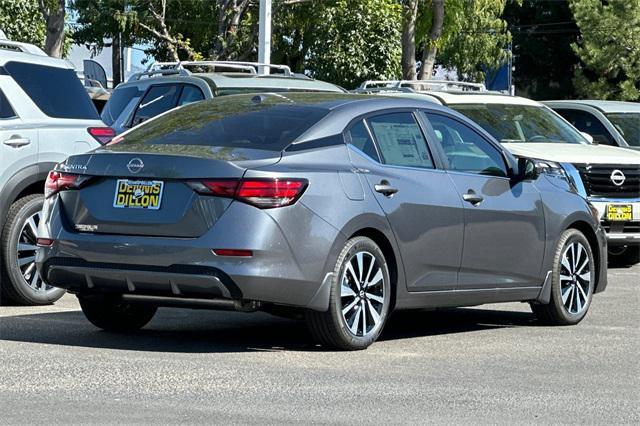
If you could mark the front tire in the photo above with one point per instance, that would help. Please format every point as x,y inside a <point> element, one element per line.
<point>359,300</point>
<point>111,313</point>
<point>572,281</point>
<point>21,282</point>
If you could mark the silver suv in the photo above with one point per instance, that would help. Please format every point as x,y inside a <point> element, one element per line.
<point>167,85</point>
<point>45,116</point>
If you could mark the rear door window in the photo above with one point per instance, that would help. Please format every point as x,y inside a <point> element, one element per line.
<point>400,140</point>
<point>157,100</point>
<point>5,108</point>
<point>190,94</point>
<point>361,139</point>
<point>56,91</point>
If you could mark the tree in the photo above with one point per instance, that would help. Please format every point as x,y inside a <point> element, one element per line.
<point>356,40</point>
<point>53,12</point>
<point>101,20</point>
<point>470,46</point>
<point>609,49</point>
<point>409,18</point>
<point>543,58</point>
<point>21,20</point>
<point>431,44</point>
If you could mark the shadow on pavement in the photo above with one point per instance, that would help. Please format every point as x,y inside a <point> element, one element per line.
<point>191,331</point>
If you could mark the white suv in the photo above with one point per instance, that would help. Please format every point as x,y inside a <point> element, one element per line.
<point>609,177</point>
<point>45,116</point>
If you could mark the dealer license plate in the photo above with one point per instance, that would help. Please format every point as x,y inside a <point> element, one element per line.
<point>138,194</point>
<point>619,212</point>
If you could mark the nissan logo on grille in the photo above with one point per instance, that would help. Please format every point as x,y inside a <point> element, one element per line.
<point>136,164</point>
<point>617,177</point>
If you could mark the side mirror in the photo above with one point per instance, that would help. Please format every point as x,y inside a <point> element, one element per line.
<point>527,170</point>
<point>588,137</point>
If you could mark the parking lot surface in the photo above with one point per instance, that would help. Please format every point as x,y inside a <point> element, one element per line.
<point>483,365</point>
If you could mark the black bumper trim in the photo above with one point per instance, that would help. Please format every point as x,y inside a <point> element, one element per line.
<point>79,275</point>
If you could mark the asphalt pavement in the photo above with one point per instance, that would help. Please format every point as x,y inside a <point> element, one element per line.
<point>490,364</point>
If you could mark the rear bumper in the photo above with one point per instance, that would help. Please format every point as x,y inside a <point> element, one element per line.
<point>282,270</point>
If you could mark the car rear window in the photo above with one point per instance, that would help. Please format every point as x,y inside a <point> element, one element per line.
<point>117,102</point>
<point>267,122</point>
<point>56,91</point>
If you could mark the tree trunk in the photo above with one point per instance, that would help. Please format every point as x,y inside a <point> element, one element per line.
<point>54,41</point>
<point>430,47</point>
<point>409,16</point>
<point>115,60</point>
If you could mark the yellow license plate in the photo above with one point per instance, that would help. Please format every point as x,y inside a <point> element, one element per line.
<point>619,212</point>
<point>138,194</point>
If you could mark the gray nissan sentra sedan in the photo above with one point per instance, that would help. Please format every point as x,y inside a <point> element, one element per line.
<point>337,207</point>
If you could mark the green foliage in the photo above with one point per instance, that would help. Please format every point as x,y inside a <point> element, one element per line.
<point>609,49</point>
<point>100,19</point>
<point>543,58</point>
<point>473,35</point>
<point>22,21</point>
<point>354,40</point>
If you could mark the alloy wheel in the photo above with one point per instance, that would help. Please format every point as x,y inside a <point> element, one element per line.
<point>362,294</point>
<point>575,278</point>
<point>26,255</point>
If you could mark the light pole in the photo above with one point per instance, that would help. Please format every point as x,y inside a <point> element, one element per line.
<point>264,36</point>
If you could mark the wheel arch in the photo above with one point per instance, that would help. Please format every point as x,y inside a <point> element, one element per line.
<point>383,242</point>
<point>27,181</point>
<point>587,230</point>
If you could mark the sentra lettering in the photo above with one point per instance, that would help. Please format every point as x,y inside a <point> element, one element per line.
<point>138,194</point>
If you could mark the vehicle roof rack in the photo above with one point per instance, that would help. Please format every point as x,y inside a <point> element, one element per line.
<point>242,66</point>
<point>171,71</point>
<point>423,85</point>
<point>16,46</point>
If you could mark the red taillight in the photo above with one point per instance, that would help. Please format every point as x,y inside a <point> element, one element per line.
<point>262,193</point>
<point>233,252</point>
<point>57,182</point>
<point>102,134</point>
<point>44,242</point>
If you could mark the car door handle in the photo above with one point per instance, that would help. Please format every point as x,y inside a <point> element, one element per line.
<point>472,197</point>
<point>17,142</point>
<point>385,189</point>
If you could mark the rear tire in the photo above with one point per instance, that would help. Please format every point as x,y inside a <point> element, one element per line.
<point>572,281</point>
<point>359,298</point>
<point>111,313</point>
<point>626,256</point>
<point>21,282</point>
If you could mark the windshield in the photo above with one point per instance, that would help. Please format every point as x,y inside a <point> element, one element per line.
<point>521,123</point>
<point>628,124</point>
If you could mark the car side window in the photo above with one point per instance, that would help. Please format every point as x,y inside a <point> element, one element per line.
<point>158,99</point>
<point>5,108</point>
<point>465,149</point>
<point>588,123</point>
<point>361,139</point>
<point>400,140</point>
<point>190,94</point>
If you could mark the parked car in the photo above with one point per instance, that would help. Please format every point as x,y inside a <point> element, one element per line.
<point>340,207</point>
<point>168,85</point>
<point>45,116</point>
<point>608,177</point>
<point>608,122</point>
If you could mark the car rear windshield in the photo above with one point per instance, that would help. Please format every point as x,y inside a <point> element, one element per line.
<point>267,122</point>
<point>56,91</point>
<point>117,102</point>
<point>521,123</point>
<point>628,124</point>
